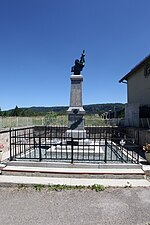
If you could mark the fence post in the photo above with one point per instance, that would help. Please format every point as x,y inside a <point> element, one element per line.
<point>10,144</point>
<point>15,144</point>
<point>72,150</point>
<point>105,149</point>
<point>40,154</point>
<point>138,155</point>
<point>17,124</point>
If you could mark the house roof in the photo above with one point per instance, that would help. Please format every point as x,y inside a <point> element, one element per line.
<point>136,68</point>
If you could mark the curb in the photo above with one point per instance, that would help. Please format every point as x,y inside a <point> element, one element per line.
<point>16,180</point>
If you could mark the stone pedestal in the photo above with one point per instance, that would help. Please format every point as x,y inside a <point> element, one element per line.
<point>76,111</point>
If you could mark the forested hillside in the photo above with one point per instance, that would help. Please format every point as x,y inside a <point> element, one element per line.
<point>113,108</point>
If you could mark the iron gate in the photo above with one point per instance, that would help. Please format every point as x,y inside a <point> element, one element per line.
<point>101,144</point>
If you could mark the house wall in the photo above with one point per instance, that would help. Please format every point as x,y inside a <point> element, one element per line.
<point>141,136</point>
<point>132,115</point>
<point>138,88</point>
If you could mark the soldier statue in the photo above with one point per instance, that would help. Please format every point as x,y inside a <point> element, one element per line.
<point>79,64</point>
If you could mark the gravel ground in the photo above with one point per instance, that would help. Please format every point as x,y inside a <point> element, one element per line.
<point>74,207</point>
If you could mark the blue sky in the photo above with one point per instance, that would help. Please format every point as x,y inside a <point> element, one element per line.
<point>40,39</point>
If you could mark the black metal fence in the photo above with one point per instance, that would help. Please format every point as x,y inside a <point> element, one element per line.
<point>144,111</point>
<point>144,116</point>
<point>101,144</point>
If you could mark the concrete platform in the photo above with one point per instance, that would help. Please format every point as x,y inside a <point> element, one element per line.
<point>46,173</point>
<point>96,165</point>
<point>74,171</point>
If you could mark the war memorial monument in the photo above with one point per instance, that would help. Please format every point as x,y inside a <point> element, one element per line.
<point>76,111</point>
<point>75,142</point>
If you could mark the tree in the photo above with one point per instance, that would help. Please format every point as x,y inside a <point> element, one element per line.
<point>4,113</point>
<point>15,112</point>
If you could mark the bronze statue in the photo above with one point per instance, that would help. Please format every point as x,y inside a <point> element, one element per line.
<point>79,64</point>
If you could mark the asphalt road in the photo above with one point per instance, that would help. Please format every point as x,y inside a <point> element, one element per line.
<point>124,206</point>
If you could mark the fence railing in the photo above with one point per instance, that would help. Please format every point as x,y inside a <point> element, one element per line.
<point>144,111</point>
<point>7,122</point>
<point>144,123</point>
<point>101,144</point>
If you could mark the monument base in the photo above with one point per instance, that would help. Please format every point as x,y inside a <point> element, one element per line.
<point>76,111</point>
<point>76,134</point>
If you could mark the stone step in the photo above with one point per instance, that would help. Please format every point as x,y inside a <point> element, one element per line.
<point>98,173</point>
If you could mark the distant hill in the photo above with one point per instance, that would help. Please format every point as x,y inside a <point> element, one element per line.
<point>90,109</point>
<point>101,108</point>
